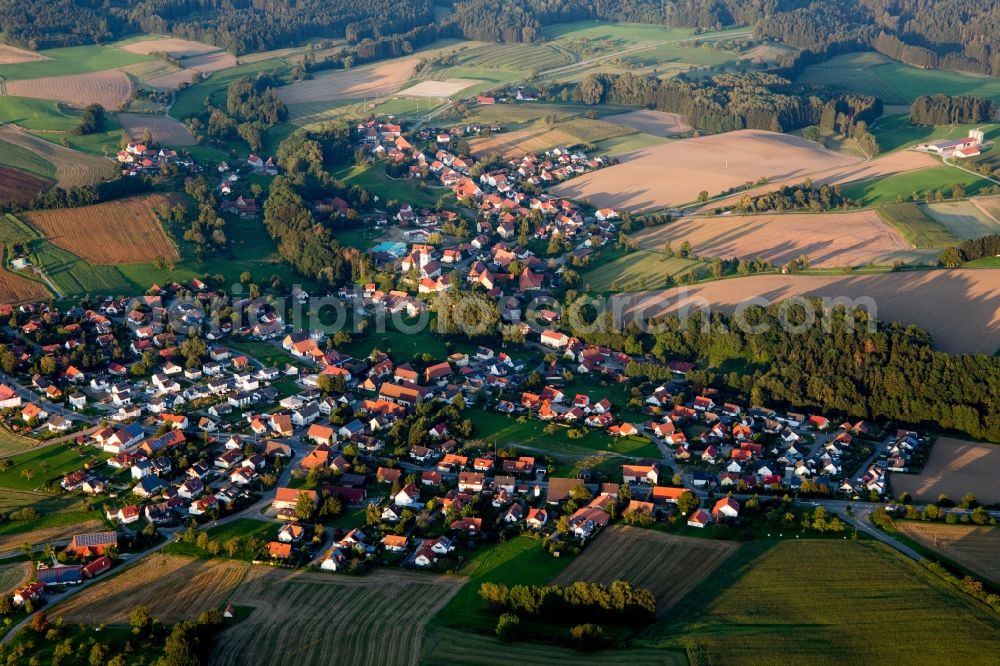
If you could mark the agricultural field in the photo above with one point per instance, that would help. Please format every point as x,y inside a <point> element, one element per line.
<point>126,231</point>
<point>509,57</point>
<point>756,609</point>
<point>645,269</point>
<point>71,60</point>
<point>11,575</point>
<point>172,588</point>
<point>14,287</point>
<point>674,173</point>
<point>111,89</point>
<point>973,547</point>
<point>59,527</point>
<point>22,159</point>
<point>33,469</point>
<point>954,468</point>
<point>853,238</point>
<point>11,55</point>
<point>895,132</point>
<point>539,137</point>
<point>191,100</point>
<point>657,123</point>
<point>891,189</point>
<point>668,566</point>
<point>863,174</point>
<point>193,56</point>
<point>914,223</point>
<point>378,80</point>
<point>68,273</point>
<point>966,219</point>
<point>933,300</point>
<point>16,185</point>
<point>376,619</point>
<point>164,130</point>
<point>990,206</point>
<point>450,646</point>
<point>872,73</point>
<point>41,126</point>
<point>439,89</point>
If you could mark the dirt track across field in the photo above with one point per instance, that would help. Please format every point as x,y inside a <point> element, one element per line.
<point>960,308</point>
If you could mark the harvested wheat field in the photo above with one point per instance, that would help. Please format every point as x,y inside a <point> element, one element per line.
<point>16,185</point>
<point>674,173</point>
<point>974,547</point>
<point>172,588</point>
<point>834,239</point>
<point>125,231</point>
<point>439,89</point>
<point>172,80</point>
<point>111,89</point>
<point>11,575</point>
<point>11,55</point>
<point>376,80</point>
<point>669,566</point>
<point>889,164</point>
<point>14,289</point>
<point>172,46</point>
<point>540,137</point>
<point>657,123</point>
<point>165,130</point>
<point>350,620</point>
<point>960,308</point>
<point>12,542</point>
<point>210,62</point>
<point>955,467</point>
<point>73,168</point>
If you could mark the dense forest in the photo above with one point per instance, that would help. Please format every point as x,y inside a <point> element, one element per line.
<point>726,102</point>
<point>892,373</point>
<point>948,34</point>
<point>945,110</point>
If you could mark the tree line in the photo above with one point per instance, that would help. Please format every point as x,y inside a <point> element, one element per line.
<point>945,110</point>
<point>618,602</point>
<point>838,367</point>
<point>87,195</point>
<point>795,197</point>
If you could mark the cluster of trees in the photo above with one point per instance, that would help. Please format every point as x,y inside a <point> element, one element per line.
<point>581,601</point>
<point>92,120</point>
<point>969,250</point>
<point>795,197</point>
<point>208,230</point>
<point>835,365</point>
<point>726,102</point>
<point>945,110</point>
<point>252,106</point>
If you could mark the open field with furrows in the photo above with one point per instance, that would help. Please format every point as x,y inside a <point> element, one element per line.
<point>16,185</point>
<point>13,541</point>
<point>960,308</point>
<point>69,273</point>
<point>834,239</point>
<point>11,55</point>
<point>172,588</point>
<point>12,575</point>
<point>540,137</point>
<point>111,89</point>
<point>377,80</point>
<point>125,231</point>
<point>439,89</point>
<point>191,55</point>
<point>914,223</point>
<point>164,130</point>
<point>872,73</point>
<point>644,269</point>
<point>73,168</point>
<point>865,174</point>
<point>513,57</point>
<point>890,189</point>
<point>657,123</point>
<point>304,618</point>
<point>71,60</point>
<point>967,219</point>
<point>973,547</point>
<point>674,173</point>
<point>954,468</point>
<point>764,609</point>
<point>14,287</point>
<point>450,646</point>
<point>24,160</point>
<point>668,566</point>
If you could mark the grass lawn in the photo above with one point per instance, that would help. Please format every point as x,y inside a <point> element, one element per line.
<point>11,442</point>
<point>50,463</point>
<point>405,190</point>
<point>46,120</point>
<point>264,352</point>
<point>191,100</point>
<point>405,345</point>
<point>241,528</point>
<point>519,561</point>
<point>916,226</point>
<point>751,610</point>
<point>60,519</point>
<point>617,271</point>
<point>895,132</point>
<point>72,60</point>
<point>888,190</point>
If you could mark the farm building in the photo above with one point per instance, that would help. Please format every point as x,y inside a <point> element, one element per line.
<point>966,147</point>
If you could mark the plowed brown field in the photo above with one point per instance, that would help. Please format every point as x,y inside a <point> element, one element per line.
<point>111,89</point>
